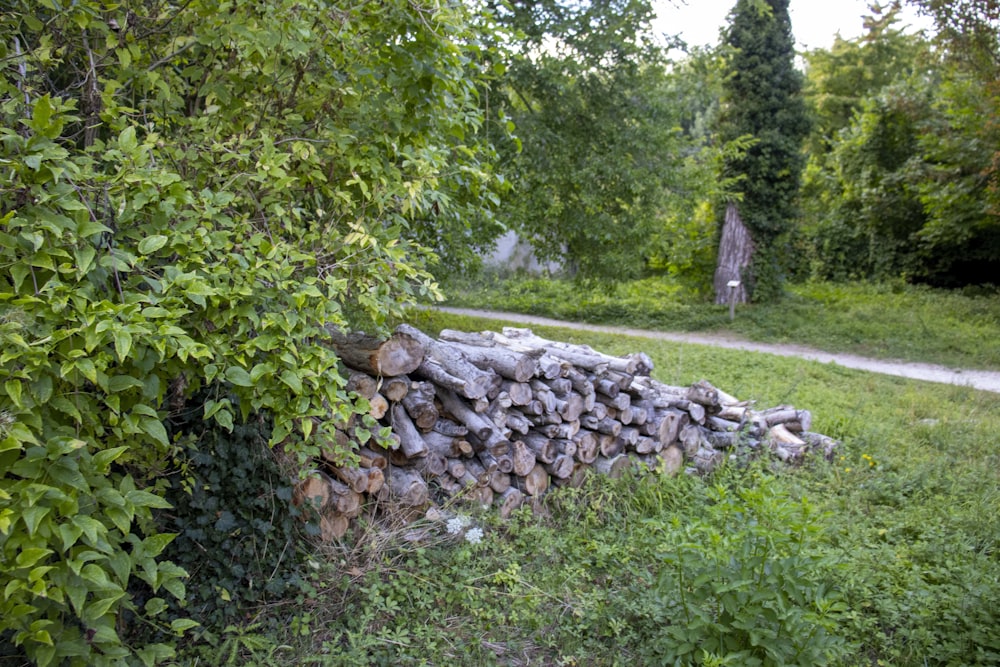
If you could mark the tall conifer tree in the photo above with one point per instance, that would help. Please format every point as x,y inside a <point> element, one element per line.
<point>762,99</point>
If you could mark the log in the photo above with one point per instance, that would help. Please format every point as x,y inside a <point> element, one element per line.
<point>378,406</point>
<point>609,445</point>
<point>672,460</point>
<point>580,356</point>
<point>512,365</point>
<point>333,526</point>
<point>395,388</point>
<point>499,482</point>
<point>362,384</point>
<point>410,440</point>
<point>614,466</point>
<point>523,458</point>
<point>376,480</point>
<point>561,467</point>
<point>535,483</point>
<point>355,478</point>
<point>520,392</point>
<point>343,500</point>
<point>477,424</point>
<point>432,465</point>
<point>448,427</point>
<point>690,439</point>
<point>587,447</point>
<point>369,458</point>
<point>419,404</point>
<point>456,468</point>
<point>445,445</point>
<point>476,382</point>
<point>312,491</point>
<point>542,446</point>
<point>406,487</point>
<point>400,354</point>
<point>508,501</point>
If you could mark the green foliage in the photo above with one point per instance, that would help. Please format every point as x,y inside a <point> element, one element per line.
<point>762,100</point>
<point>600,148</point>
<point>191,194</point>
<point>907,189</point>
<point>744,584</point>
<point>238,535</point>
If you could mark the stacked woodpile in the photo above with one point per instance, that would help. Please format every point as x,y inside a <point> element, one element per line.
<point>498,418</point>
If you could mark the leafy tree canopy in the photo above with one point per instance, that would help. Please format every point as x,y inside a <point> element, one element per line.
<point>191,192</point>
<point>762,100</point>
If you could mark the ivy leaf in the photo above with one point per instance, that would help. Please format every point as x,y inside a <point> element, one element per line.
<point>290,378</point>
<point>239,376</point>
<point>151,244</point>
<point>123,344</point>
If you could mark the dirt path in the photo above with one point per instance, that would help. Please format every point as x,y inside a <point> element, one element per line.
<point>984,380</point>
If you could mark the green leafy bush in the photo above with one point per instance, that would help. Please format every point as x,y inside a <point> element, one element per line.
<point>191,194</point>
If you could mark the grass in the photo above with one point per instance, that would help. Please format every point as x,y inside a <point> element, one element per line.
<point>887,555</point>
<point>884,321</point>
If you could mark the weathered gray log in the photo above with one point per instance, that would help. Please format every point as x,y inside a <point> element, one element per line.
<point>445,445</point>
<point>580,356</point>
<point>614,466</point>
<point>355,478</point>
<point>609,445</point>
<point>499,482</point>
<point>516,366</point>
<point>456,468</point>
<point>400,354</point>
<point>647,445</point>
<point>448,427</point>
<point>691,439</point>
<point>561,467</point>
<point>516,421</point>
<point>535,483</point>
<point>523,458</point>
<point>541,445</point>
<point>628,436</point>
<point>477,382</point>
<point>673,459</point>
<point>587,446</point>
<point>432,465</point>
<point>563,446</point>
<point>520,392</point>
<point>477,424</point>
<point>508,501</point>
<point>410,440</point>
<point>395,388</point>
<point>419,404</point>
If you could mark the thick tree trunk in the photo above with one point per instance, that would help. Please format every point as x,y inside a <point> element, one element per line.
<point>735,254</point>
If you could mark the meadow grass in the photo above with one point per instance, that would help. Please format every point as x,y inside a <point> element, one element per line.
<point>886,555</point>
<point>889,321</point>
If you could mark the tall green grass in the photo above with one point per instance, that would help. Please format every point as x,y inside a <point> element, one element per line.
<point>887,555</point>
<point>888,321</point>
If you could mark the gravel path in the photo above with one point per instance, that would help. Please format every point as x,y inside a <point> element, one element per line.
<point>984,380</point>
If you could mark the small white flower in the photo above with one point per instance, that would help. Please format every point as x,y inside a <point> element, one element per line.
<point>456,524</point>
<point>474,536</point>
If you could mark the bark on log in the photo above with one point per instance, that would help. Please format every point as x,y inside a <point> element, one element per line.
<point>400,354</point>
<point>673,460</point>
<point>561,467</point>
<point>523,458</point>
<point>476,382</point>
<point>355,478</point>
<point>535,483</point>
<point>406,487</point>
<point>419,404</point>
<point>587,447</point>
<point>508,501</point>
<point>613,467</point>
<point>410,440</point>
<point>395,388</point>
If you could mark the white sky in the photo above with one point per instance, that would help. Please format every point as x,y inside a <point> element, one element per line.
<point>814,22</point>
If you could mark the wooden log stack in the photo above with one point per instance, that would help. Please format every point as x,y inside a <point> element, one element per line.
<point>500,418</point>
